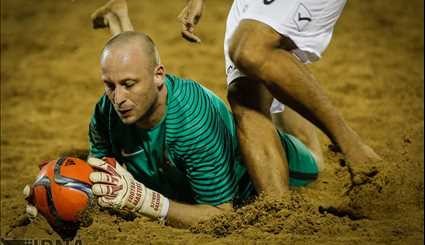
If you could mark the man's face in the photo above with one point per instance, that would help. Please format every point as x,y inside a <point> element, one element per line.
<point>131,84</point>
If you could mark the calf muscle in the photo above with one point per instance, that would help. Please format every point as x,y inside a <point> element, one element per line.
<point>260,144</point>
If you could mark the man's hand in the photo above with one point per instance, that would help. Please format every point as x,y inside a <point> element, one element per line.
<point>114,14</point>
<point>117,189</point>
<point>115,186</point>
<point>189,17</point>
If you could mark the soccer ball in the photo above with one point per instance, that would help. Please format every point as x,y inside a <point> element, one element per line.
<point>62,194</point>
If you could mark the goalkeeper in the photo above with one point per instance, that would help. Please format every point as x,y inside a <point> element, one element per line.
<point>174,137</point>
<point>166,147</point>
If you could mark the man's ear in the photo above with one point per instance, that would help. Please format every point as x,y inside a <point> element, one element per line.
<point>159,75</point>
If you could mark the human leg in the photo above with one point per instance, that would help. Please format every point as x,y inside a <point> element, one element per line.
<point>292,123</point>
<point>256,51</point>
<point>264,156</point>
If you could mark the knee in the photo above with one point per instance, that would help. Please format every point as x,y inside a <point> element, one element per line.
<point>245,94</point>
<point>247,51</point>
<point>236,97</point>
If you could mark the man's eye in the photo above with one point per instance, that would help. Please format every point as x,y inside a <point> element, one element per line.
<point>129,83</point>
<point>110,86</point>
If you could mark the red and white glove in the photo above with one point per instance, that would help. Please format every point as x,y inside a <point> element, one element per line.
<point>116,188</point>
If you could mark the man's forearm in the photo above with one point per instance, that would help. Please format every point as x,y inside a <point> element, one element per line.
<point>184,215</point>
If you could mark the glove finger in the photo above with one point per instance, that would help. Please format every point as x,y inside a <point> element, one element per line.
<point>110,191</point>
<point>100,189</point>
<point>106,203</point>
<point>26,191</point>
<point>111,161</point>
<point>31,210</point>
<point>98,163</point>
<point>114,168</point>
<point>108,165</point>
<point>102,177</point>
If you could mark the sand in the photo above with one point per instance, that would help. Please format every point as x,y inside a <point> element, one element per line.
<point>372,71</point>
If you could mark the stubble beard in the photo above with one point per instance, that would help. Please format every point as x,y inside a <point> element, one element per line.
<point>143,120</point>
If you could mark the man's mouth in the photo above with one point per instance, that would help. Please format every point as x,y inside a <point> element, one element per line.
<point>125,112</point>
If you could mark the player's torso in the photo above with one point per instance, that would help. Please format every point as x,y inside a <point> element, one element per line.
<point>146,156</point>
<point>163,157</point>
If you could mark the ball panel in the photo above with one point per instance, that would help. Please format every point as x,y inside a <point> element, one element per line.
<point>46,170</point>
<point>41,202</point>
<point>76,169</point>
<point>69,202</point>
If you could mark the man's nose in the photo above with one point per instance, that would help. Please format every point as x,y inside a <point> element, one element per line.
<point>119,96</point>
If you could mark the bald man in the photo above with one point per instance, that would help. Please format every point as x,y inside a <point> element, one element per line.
<point>176,139</point>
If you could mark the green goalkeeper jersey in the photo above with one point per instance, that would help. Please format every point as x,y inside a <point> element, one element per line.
<point>192,155</point>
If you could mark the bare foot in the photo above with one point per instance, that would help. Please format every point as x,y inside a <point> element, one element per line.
<point>362,162</point>
<point>360,158</point>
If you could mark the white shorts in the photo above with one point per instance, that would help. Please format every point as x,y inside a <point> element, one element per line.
<point>308,23</point>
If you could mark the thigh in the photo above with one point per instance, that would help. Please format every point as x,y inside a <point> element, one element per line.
<point>291,122</point>
<point>308,23</point>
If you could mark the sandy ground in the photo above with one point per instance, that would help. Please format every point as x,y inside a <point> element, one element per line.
<point>372,71</point>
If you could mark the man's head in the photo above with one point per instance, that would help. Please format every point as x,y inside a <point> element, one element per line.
<point>133,75</point>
